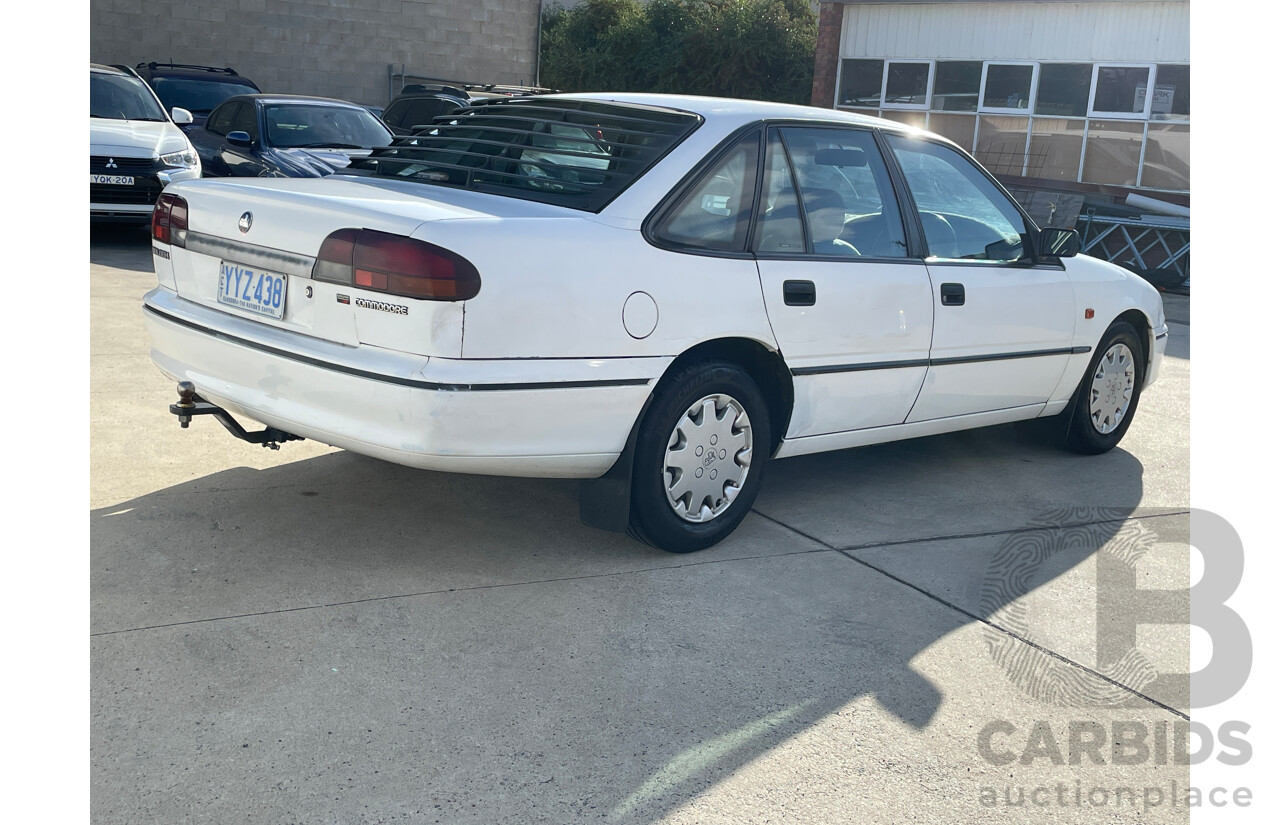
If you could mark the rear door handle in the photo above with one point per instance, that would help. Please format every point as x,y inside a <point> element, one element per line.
<point>799,293</point>
<point>953,295</point>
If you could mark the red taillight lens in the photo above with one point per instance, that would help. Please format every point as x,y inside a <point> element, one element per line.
<point>169,220</point>
<point>395,265</point>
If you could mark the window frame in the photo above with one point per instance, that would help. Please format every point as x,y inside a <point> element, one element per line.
<point>840,84</point>
<point>1032,89</point>
<point>653,223</point>
<point>1144,115</point>
<point>894,194</point>
<point>918,246</point>
<point>928,86</point>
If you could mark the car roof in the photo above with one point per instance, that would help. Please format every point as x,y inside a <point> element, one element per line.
<point>189,70</point>
<point>266,97</point>
<point>197,74</point>
<point>98,67</point>
<point>723,109</point>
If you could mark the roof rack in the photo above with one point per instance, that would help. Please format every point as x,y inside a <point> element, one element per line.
<point>460,87</point>
<point>154,65</point>
<point>414,88</point>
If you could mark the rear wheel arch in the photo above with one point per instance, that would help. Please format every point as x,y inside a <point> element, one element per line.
<point>765,366</point>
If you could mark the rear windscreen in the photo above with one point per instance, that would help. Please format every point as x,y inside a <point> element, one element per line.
<point>575,153</point>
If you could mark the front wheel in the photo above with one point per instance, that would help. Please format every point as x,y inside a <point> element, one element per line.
<point>700,457</point>
<point>1108,393</point>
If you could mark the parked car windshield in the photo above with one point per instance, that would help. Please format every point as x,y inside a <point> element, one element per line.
<point>576,153</point>
<point>293,126</point>
<point>120,97</point>
<point>198,96</point>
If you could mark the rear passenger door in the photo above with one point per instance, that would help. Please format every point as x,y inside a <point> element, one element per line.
<point>851,311</point>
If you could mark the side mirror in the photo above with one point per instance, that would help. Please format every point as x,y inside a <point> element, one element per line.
<point>181,116</point>
<point>1059,243</point>
<point>239,138</point>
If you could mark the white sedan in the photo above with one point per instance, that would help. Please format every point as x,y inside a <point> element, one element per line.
<point>658,293</point>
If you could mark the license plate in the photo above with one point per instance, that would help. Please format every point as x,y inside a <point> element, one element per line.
<point>251,289</point>
<point>113,180</point>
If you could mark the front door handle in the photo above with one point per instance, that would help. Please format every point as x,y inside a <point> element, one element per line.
<point>953,295</point>
<point>799,293</point>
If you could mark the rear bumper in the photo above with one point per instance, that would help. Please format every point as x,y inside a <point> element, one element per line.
<point>566,418</point>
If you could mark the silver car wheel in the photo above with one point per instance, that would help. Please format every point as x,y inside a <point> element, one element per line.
<point>708,458</point>
<point>1111,392</point>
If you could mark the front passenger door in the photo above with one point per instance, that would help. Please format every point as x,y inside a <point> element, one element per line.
<point>1003,325</point>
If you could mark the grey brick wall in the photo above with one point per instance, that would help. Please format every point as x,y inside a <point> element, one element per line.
<point>333,48</point>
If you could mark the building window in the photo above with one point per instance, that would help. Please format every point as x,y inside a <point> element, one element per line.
<point>1055,148</point>
<point>1111,124</point>
<point>1113,152</point>
<point>1172,99</point>
<point>1166,163</point>
<point>906,85</point>
<point>958,128</point>
<point>1063,90</point>
<point>956,85</point>
<point>1007,87</point>
<point>861,82</point>
<point>1120,90</point>
<point>1002,144</point>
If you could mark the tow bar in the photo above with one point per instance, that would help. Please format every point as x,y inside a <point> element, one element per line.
<point>190,405</point>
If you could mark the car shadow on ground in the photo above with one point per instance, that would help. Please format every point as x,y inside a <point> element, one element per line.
<point>121,245</point>
<point>454,627</point>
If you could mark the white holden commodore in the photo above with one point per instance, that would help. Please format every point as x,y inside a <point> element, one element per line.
<point>657,293</point>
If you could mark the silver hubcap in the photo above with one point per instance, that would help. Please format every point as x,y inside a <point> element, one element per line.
<point>708,458</point>
<point>1112,389</point>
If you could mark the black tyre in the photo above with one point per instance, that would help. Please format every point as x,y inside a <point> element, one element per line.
<point>700,457</point>
<point>1108,394</point>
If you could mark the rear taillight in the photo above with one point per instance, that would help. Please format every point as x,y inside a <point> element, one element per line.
<point>169,220</point>
<point>396,265</point>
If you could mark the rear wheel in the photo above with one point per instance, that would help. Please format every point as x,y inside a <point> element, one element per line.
<point>700,457</point>
<point>1108,393</point>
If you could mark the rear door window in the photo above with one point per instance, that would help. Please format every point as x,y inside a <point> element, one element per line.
<point>849,208</point>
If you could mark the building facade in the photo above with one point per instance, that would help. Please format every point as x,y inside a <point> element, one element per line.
<point>356,50</point>
<point>1082,96</point>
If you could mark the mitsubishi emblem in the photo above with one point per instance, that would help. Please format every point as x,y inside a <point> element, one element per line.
<point>111,163</point>
<point>246,221</point>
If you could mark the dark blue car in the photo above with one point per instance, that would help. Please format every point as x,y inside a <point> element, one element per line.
<point>285,136</point>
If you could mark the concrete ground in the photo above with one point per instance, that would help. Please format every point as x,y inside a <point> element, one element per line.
<point>902,633</point>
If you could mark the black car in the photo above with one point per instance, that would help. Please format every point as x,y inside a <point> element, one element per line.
<point>198,89</point>
<point>285,136</point>
<point>418,103</point>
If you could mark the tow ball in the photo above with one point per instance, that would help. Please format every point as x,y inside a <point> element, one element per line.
<point>190,405</point>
